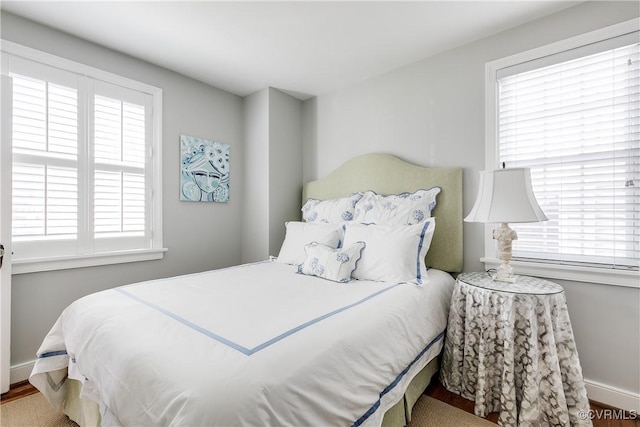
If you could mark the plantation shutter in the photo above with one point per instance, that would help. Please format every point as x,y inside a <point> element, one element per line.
<point>119,161</point>
<point>574,119</point>
<point>85,164</point>
<point>81,182</point>
<point>45,151</point>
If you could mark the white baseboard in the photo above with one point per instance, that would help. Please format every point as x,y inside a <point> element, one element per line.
<point>613,396</point>
<point>21,372</point>
<point>598,392</point>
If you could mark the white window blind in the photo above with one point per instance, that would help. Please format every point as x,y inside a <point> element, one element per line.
<point>85,158</point>
<point>576,124</point>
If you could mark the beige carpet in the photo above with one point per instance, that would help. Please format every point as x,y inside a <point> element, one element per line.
<point>430,412</point>
<point>34,411</point>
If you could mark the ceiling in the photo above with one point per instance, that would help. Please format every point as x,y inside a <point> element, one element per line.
<point>306,48</point>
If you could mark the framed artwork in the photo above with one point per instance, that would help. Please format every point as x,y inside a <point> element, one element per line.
<point>204,171</point>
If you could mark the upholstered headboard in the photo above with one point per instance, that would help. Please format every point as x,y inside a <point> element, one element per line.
<point>386,174</point>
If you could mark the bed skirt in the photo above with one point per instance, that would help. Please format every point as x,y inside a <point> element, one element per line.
<point>86,412</point>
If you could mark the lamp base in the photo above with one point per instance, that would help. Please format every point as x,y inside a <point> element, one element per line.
<point>504,235</point>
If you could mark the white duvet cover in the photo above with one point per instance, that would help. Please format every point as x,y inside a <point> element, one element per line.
<point>251,345</point>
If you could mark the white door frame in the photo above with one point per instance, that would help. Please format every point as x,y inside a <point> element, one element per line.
<point>6,95</point>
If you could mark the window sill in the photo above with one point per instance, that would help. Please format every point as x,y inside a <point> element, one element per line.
<point>78,261</point>
<point>629,279</point>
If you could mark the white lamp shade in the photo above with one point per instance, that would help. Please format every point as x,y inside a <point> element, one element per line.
<point>505,195</point>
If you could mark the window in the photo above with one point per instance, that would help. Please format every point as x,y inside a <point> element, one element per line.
<point>85,164</point>
<point>571,113</point>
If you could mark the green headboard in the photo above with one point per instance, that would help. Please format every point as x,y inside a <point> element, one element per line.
<point>386,174</point>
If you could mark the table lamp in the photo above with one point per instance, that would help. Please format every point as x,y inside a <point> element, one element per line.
<point>504,196</point>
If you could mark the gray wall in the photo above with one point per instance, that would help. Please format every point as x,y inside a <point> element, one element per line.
<point>432,113</point>
<point>199,236</point>
<point>273,159</point>
<point>255,233</point>
<point>285,164</point>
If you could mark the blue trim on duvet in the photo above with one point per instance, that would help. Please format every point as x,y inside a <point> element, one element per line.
<point>238,347</point>
<point>395,382</point>
<point>188,323</point>
<point>52,354</point>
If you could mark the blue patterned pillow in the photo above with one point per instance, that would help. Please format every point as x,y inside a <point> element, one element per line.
<point>329,263</point>
<point>334,211</point>
<point>396,209</point>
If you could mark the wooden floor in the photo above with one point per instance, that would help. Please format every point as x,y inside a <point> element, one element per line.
<point>435,390</point>
<point>603,413</point>
<point>18,391</point>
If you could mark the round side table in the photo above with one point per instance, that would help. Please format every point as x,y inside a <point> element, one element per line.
<point>510,348</point>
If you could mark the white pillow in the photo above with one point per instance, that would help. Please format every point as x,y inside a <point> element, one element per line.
<point>333,211</point>
<point>299,234</point>
<point>396,209</point>
<point>330,263</point>
<point>392,254</point>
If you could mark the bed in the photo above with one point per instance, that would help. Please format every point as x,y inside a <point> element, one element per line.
<point>313,351</point>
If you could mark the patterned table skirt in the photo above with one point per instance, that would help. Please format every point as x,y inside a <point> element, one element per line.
<point>514,354</point>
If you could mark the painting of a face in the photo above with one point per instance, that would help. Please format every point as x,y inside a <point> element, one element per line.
<point>204,173</point>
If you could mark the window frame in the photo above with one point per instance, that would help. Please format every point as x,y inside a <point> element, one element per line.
<point>156,249</point>
<point>550,270</point>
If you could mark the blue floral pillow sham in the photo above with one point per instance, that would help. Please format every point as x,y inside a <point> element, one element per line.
<point>396,209</point>
<point>330,263</point>
<point>334,211</point>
